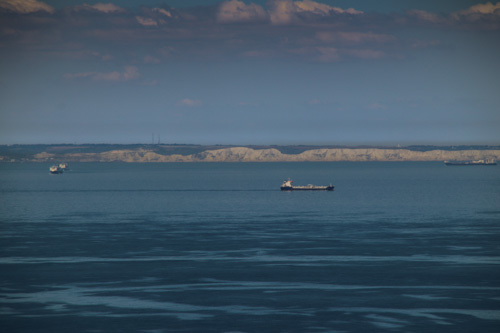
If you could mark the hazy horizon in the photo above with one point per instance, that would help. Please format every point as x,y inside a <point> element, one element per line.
<point>348,145</point>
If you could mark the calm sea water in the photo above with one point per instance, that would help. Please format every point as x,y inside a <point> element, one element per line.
<point>217,247</point>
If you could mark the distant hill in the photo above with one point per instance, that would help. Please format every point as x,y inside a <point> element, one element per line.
<point>226,153</point>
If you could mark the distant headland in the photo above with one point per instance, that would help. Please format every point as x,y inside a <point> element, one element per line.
<point>228,153</point>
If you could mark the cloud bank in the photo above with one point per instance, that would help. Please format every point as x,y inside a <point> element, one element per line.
<point>107,8</point>
<point>288,11</point>
<point>25,6</point>
<point>281,29</point>
<point>238,11</point>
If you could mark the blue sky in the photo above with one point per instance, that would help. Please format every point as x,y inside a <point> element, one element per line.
<point>250,72</point>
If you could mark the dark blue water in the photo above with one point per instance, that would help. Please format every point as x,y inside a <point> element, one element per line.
<point>397,247</point>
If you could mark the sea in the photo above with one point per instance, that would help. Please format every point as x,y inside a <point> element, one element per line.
<point>217,247</point>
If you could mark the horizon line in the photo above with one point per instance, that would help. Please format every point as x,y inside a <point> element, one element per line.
<point>260,145</point>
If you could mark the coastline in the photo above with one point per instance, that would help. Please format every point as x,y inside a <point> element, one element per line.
<point>160,154</point>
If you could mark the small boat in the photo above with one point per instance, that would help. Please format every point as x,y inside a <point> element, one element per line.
<point>288,186</point>
<point>64,166</point>
<point>476,162</point>
<point>55,170</point>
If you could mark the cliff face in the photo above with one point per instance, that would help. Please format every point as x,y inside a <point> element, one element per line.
<point>241,154</point>
<point>244,154</point>
<point>395,155</point>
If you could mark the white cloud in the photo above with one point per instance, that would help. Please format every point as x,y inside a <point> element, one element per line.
<point>238,11</point>
<point>282,11</point>
<point>486,8</point>
<point>487,13</point>
<point>106,8</point>
<point>146,21</point>
<point>26,6</point>
<point>425,16</point>
<point>154,17</point>
<point>322,9</point>
<point>189,102</point>
<point>287,11</point>
<point>163,12</point>
<point>279,12</point>
<point>129,73</point>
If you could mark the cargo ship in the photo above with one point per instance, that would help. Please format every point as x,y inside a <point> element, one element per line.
<point>288,186</point>
<point>476,162</point>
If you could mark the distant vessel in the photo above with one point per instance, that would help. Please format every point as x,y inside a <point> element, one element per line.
<point>64,166</point>
<point>55,169</point>
<point>288,186</point>
<point>476,162</point>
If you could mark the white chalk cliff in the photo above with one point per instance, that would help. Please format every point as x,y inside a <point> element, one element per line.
<point>244,154</point>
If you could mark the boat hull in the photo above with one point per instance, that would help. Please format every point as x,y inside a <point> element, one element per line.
<point>55,170</point>
<point>468,163</point>
<point>64,166</point>
<point>307,188</point>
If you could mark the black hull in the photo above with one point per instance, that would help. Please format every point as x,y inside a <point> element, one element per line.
<point>305,188</point>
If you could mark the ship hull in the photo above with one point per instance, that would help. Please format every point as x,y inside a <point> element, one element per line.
<point>307,188</point>
<point>468,163</point>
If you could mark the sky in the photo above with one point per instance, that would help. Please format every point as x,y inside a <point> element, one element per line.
<point>256,72</point>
